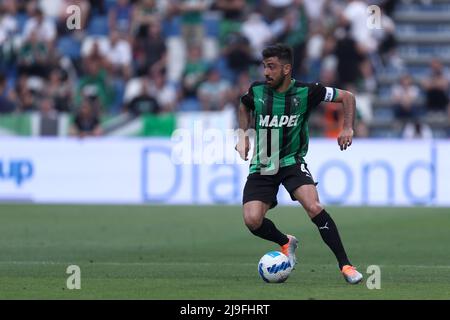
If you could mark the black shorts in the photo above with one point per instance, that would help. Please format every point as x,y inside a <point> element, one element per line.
<point>265,187</point>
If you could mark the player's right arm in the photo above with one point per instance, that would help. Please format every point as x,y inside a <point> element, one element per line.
<point>246,108</point>
<point>243,144</point>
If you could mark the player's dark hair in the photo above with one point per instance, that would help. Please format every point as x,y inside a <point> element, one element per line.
<point>282,51</point>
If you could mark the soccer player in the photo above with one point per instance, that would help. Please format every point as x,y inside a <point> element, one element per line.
<point>281,107</point>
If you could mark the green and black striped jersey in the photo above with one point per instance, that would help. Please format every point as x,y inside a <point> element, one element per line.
<point>281,121</point>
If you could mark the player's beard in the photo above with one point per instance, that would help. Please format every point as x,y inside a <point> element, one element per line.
<point>276,84</point>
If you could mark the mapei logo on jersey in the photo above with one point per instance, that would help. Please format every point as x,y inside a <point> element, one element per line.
<point>277,121</point>
<point>16,170</point>
<point>279,267</point>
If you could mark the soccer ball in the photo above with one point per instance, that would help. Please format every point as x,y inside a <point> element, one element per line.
<point>274,267</point>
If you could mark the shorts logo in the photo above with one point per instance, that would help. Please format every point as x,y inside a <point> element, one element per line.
<point>304,170</point>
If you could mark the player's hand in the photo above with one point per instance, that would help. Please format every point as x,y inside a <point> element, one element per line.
<point>243,146</point>
<point>345,138</point>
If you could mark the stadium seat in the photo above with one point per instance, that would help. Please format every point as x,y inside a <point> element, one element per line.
<point>21,19</point>
<point>171,27</point>
<point>109,4</point>
<point>189,104</point>
<point>98,26</point>
<point>69,46</point>
<point>211,25</point>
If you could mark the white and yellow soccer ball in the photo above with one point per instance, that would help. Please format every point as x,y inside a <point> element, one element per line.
<point>274,267</point>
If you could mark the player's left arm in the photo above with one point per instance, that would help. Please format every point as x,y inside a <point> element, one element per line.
<point>347,99</point>
<point>318,93</point>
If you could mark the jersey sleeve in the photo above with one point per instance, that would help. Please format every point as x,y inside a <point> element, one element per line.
<point>318,93</point>
<point>247,99</point>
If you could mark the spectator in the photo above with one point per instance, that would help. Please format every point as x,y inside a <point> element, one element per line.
<point>34,56</point>
<point>314,54</point>
<point>194,72</point>
<point>59,89</point>
<point>51,8</point>
<point>118,56</point>
<point>315,11</point>
<point>349,59</point>
<point>385,36</point>
<point>215,92</point>
<point>436,88</point>
<point>164,92</point>
<point>8,30</point>
<point>137,49</point>
<point>275,9</point>
<point>146,13</point>
<point>405,96</point>
<point>417,130</point>
<point>150,52</point>
<point>257,32</point>
<point>6,105</point>
<point>231,19</point>
<point>143,103</point>
<point>94,85</point>
<point>94,81</point>
<point>238,55</point>
<point>87,122</point>
<point>42,27</point>
<point>48,118</point>
<point>26,92</point>
<point>8,22</point>
<point>355,14</point>
<point>191,12</point>
<point>95,47</point>
<point>120,17</point>
<point>294,33</point>
<point>243,82</point>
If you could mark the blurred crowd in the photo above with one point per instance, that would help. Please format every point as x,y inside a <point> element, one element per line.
<point>165,56</point>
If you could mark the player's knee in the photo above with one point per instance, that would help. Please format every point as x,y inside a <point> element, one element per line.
<point>252,220</point>
<point>314,208</point>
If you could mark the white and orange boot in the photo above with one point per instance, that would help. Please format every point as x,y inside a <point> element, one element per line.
<point>289,250</point>
<point>351,275</point>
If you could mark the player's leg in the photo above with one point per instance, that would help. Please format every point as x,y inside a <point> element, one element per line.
<point>255,220</point>
<point>260,195</point>
<point>260,226</point>
<point>308,197</point>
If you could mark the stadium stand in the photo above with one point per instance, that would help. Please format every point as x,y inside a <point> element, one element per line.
<point>422,34</point>
<point>159,34</point>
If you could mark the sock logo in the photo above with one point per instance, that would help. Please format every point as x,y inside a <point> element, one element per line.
<point>325,226</point>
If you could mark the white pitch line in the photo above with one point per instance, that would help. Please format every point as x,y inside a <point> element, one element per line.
<point>117,263</point>
<point>113,263</point>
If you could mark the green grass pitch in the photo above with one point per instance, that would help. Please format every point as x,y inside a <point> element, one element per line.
<point>188,252</point>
